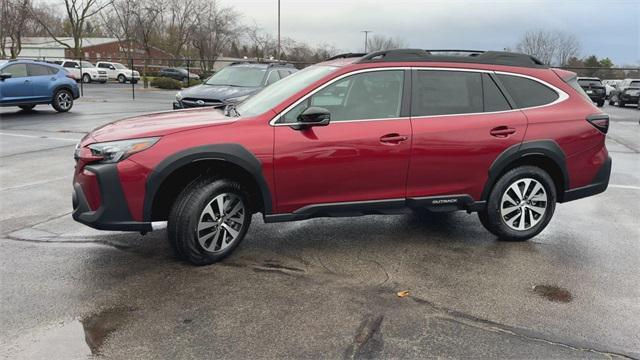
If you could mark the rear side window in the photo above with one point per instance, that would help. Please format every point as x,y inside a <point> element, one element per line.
<point>16,70</point>
<point>40,70</point>
<point>438,92</point>
<point>494,100</point>
<point>526,92</point>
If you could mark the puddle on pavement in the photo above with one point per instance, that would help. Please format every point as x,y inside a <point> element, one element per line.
<point>76,339</point>
<point>553,293</point>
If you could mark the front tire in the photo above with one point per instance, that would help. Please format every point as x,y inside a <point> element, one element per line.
<point>208,220</point>
<point>122,79</point>
<point>601,103</point>
<point>62,100</point>
<point>86,78</point>
<point>27,107</point>
<point>621,103</point>
<point>520,205</point>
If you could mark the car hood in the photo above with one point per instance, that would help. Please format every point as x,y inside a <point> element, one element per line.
<point>217,92</point>
<point>158,124</point>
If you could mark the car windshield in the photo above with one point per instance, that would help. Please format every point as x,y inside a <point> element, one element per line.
<point>277,92</point>
<point>238,76</point>
<point>635,84</point>
<point>86,64</point>
<point>589,82</point>
<point>119,66</point>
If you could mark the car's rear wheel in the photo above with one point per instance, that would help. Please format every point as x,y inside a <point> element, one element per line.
<point>601,103</point>
<point>62,100</point>
<point>122,79</point>
<point>520,205</point>
<point>621,103</point>
<point>27,107</point>
<point>611,101</point>
<point>208,220</point>
<point>86,78</point>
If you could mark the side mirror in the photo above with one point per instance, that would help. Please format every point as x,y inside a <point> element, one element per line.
<point>4,76</point>
<point>111,67</point>
<point>314,116</point>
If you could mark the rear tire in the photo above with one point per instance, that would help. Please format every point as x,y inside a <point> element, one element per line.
<point>208,220</point>
<point>621,103</point>
<point>601,103</point>
<point>27,107</point>
<point>62,100</point>
<point>520,204</point>
<point>611,102</point>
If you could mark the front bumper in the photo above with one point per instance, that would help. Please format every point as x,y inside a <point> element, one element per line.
<point>113,212</point>
<point>629,99</point>
<point>598,185</point>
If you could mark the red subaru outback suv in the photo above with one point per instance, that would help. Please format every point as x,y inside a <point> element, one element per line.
<point>496,133</point>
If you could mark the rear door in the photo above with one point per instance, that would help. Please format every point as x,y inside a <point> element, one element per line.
<point>17,88</point>
<point>461,123</point>
<point>361,155</point>
<point>43,79</point>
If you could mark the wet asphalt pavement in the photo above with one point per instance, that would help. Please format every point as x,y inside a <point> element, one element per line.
<point>322,288</point>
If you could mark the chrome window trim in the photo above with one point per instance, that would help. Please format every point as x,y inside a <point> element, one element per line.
<point>562,96</point>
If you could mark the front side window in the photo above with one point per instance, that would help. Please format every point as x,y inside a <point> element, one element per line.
<point>526,92</point>
<point>635,84</point>
<point>71,64</point>
<point>16,70</point>
<point>438,92</point>
<point>369,95</point>
<point>273,77</point>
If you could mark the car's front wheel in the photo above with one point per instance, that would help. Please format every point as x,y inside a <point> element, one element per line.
<point>122,79</point>
<point>208,220</point>
<point>27,107</point>
<point>86,78</point>
<point>601,103</point>
<point>62,100</point>
<point>520,205</point>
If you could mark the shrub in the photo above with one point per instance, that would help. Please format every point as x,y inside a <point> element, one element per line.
<point>193,82</point>
<point>166,83</point>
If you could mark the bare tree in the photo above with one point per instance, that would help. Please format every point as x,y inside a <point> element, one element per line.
<point>78,13</point>
<point>179,24</point>
<point>120,23</point>
<point>215,30</point>
<point>381,42</point>
<point>13,22</point>
<point>262,44</point>
<point>551,47</point>
<point>147,17</point>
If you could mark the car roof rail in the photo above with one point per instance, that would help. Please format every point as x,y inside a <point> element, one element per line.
<point>464,56</point>
<point>281,64</point>
<point>346,56</point>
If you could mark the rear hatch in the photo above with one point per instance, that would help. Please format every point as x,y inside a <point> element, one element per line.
<point>592,87</point>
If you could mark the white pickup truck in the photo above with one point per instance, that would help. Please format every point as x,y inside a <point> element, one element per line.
<point>117,71</point>
<point>89,72</point>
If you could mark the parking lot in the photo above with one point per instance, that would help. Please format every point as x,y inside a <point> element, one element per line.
<point>322,288</point>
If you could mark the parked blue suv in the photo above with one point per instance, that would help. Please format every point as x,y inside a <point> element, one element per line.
<point>27,83</point>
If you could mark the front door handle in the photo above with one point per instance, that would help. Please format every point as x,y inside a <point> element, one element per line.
<point>393,139</point>
<point>502,131</point>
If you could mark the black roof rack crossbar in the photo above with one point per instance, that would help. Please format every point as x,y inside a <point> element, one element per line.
<point>480,57</point>
<point>346,55</point>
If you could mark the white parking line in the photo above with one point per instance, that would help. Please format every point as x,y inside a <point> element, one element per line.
<point>40,137</point>
<point>625,187</point>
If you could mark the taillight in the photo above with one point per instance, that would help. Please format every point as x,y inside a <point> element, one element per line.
<point>599,121</point>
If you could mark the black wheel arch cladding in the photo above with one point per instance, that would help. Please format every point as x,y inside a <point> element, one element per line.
<point>232,153</point>
<point>546,148</point>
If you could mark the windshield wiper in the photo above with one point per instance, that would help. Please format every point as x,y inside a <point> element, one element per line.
<point>230,110</point>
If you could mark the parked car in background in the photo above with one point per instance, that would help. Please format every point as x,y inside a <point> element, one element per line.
<point>83,71</point>
<point>178,74</point>
<point>627,92</point>
<point>231,85</point>
<point>26,83</point>
<point>610,85</point>
<point>496,133</point>
<point>594,88</point>
<point>117,71</point>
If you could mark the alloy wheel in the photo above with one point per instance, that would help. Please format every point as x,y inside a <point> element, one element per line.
<point>221,222</point>
<point>523,204</point>
<point>64,100</point>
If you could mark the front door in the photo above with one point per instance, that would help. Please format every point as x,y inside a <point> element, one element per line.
<point>363,154</point>
<point>461,123</point>
<point>18,87</point>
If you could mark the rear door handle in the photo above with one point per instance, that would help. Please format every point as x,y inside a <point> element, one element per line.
<point>393,138</point>
<point>502,131</point>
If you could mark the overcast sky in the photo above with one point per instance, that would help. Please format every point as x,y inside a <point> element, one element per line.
<point>605,27</point>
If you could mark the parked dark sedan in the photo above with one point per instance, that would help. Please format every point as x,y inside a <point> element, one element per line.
<point>232,84</point>
<point>594,88</point>
<point>178,74</point>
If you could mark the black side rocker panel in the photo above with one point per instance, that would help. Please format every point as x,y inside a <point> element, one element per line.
<point>547,148</point>
<point>233,153</point>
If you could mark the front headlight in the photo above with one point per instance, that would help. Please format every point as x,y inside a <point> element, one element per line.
<point>179,96</point>
<point>135,73</point>
<point>238,99</point>
<point>114,151</point>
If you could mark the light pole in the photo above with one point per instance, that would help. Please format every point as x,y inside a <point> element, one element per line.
<point>366,33</point>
